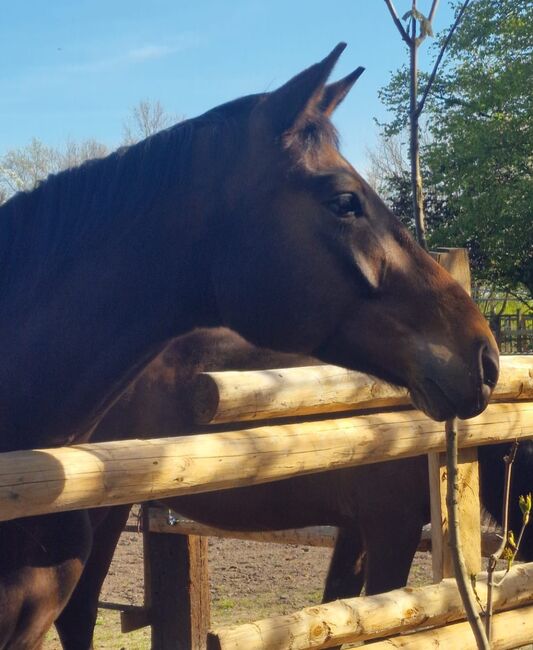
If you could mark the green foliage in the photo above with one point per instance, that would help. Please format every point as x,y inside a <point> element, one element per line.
<point>480,119</point>
<point>395,96</point>
<point>396,190</point>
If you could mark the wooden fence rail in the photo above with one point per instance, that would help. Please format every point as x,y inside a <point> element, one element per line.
<point>354,620</point>
<point>121,472</point>
<point>219,397</point>
<point>161,520</point>
<point>86,476</point>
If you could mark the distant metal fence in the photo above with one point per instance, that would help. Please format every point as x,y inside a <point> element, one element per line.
<point>513,332</point>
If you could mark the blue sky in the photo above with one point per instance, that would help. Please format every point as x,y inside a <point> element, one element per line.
<point>74,69</point>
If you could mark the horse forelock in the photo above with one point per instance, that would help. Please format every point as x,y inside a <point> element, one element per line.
<point>313,133</point>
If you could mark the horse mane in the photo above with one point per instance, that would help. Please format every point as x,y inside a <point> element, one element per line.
<point>42,229</point>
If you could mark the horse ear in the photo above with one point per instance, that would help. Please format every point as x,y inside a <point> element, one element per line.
<point>335,93</point>
<point>285,105</point>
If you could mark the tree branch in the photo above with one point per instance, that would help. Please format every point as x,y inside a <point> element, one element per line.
<point>398,23</point>
<point>433,10</point>
<point>519,298</point>
<point>493,559</point>
<point>463,585</point>
<point>441,54</point>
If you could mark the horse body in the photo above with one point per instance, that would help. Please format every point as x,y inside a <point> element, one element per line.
<point>246,216</point>
<point>353,499</point>
<point>371,505</point>
<point>42,560</point>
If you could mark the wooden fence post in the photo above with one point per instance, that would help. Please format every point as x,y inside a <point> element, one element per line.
<point>176,589</point>
<point>455,261</point>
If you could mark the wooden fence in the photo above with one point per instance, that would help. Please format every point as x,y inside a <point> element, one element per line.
<point>513,332</point>
<point>43,481</point>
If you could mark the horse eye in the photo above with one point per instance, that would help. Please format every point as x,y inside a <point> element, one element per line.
<point>346,205</point>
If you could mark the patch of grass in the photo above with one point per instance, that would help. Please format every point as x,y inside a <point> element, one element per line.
<point>511,307</point>
<point>107,635</point>
<point>226,603</point>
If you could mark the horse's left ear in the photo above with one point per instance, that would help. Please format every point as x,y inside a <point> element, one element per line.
<point>285,105</point>
<point>335,93</point>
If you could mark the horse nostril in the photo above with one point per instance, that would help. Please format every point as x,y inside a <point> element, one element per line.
<point>489,365</point>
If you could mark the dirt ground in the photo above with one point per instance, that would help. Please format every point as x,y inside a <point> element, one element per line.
<point>249,580</point>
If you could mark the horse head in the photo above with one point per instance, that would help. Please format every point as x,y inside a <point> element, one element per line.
<point>313,261</point>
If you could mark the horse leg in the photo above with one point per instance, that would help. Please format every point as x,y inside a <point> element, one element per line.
<point>41,560</point>
<point>391,544</point>
<point>76,624</point>
<point>346,573</point>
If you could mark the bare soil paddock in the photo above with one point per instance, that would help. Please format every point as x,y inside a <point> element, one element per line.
<point>249,580</point>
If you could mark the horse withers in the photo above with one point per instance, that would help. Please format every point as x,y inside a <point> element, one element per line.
<point>246,216</point>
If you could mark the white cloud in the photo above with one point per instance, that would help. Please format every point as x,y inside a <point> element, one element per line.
<point>132,56</point>
<point>150,52</point>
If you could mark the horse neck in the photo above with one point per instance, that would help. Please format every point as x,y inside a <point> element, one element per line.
<point>79,337</point>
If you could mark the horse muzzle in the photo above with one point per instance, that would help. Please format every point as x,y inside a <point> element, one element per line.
<point>449,387</point>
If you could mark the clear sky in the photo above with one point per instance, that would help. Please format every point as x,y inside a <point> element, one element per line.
<point>75,68</point>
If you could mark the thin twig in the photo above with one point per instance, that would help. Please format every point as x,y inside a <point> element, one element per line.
<point>463,585</point>
<point>432,11</point>
<point>398,23</point>
<point>511,560</point>
<point>417,188</point>
<point>493,559</point>
<point>504,304</point>
<point>439,57</point>
<point>519,298</point>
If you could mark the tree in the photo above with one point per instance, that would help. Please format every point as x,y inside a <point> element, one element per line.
<point>21,169</point>
<point>479,117</point>
<point>146,119</point>
<point>481,155</point>
<point>417,29</point>
<point>389,174</point>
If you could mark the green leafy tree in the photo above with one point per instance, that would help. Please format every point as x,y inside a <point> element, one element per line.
<point>480,157</point>
<point>482,153</point>
<point>389,174</point>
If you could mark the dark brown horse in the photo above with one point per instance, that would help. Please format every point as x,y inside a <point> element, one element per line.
<point>246,216</point>
<point>353,499</point>
<point>371,505</point>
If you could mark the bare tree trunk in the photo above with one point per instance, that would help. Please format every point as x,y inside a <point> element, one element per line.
<point>414,149</point>
<point>415,109</point>
<point>463,584</point>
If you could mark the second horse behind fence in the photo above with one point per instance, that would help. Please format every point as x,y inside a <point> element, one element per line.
<point>379,509</point>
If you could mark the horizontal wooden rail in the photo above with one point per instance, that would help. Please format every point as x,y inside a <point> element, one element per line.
<point>84,476</point>
<point>320,536</point>
<point>370,617</point>
<point>219,397</point>
<point>509,630</point>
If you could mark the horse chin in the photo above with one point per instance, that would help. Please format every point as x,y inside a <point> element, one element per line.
<point>432,401</point>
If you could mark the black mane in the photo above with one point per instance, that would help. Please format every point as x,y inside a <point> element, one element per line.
<point>87,203</point>
<point>80,206</point>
